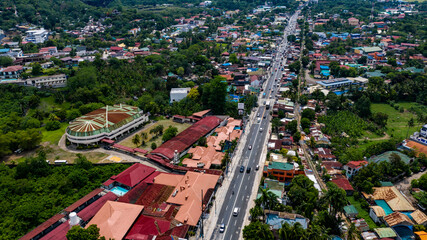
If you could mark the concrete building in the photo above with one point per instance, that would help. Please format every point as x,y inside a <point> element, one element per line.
<point>37,36</point>
<point>107,122</point>
<point>53,81</point>
<point>336,83</point>
<point>10,73</point>
<point>177,94</point>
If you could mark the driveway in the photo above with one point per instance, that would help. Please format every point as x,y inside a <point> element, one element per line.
<point>405,185</point>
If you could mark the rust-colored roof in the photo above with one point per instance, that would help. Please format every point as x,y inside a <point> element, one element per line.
<point>419,217</point>
<point>397,218</point>
<point>36,231</point>
<point>106,119</point>
<point>83,200</point>
<point>114,219</point>
<point>418,147</point>
<point>379,211</point>
<point>393,197</point>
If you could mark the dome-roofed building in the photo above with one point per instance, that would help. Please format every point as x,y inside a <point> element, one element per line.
<point>107,122</point>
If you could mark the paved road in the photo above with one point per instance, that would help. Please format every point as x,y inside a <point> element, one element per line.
<point>242,185</point>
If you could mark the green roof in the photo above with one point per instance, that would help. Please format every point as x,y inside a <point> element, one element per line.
<point>350,209</point>
<point>385,232</point>
<point>386,157</point>
<point>281,166</point>
<point>274,184</point>
<point>375,73</point>
<point>371,49</point>
<point>386,184</point>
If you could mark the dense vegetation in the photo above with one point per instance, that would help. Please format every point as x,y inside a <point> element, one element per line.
<point>34,191</point>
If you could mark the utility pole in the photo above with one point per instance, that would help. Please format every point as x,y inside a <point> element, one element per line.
<point>201,219</point>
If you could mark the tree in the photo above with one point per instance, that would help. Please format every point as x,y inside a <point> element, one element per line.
<point>392,62</point>
<point>292,126</point>
<point>36,70</point>
<point>380,119</point>
<point>153,145</point>
<point>294,231</point>
<point>291,38</point>
<point>335,198</point>
<point>257,230</point>
<point>296,136</point>
<point>194,94</point>
<point>295,67</point>
<point>410,124</point>
<point>233,58</point>
<point>79,233</point>
<point>5,61</point>
<point>214,95</point>
<point>202,142</point>
<point>363,107</point>
<point>275,124</point>
<point>305,123</point>
<point>169,133</point>
<point>312,142</point>
<point>53,125</point>
<point>308,113</point>
<point>303,195</point>
<point>305,61</point>
<point>180,71</point>
<point>256,212</point>
<point>136,140</point>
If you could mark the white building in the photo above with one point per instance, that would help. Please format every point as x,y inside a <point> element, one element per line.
<point>53,81</point>
<point>423,131</point>
<point>177,94</point>
<point>37,36</point>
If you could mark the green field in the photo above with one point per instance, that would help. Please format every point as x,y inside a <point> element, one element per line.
<point>397,124</point>
<point>362,212</point>
<point>53,136</point>
<point>151,138</point>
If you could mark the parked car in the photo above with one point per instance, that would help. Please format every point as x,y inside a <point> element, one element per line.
<point>222,228</point>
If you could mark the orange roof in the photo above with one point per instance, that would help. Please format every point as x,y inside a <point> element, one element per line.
<point>418,147</point>
<point>201,113</point>
<point>187,194</point>
<point>168,179</point>
<point>114,219</point>
<point>208,156</point>
<point>422,235</point>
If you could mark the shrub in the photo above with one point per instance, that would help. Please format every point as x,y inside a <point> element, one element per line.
<point>53,125</point>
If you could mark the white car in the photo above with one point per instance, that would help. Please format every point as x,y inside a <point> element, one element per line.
<point>222,228</point>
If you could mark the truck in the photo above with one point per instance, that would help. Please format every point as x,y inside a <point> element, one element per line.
<point>267,105</point>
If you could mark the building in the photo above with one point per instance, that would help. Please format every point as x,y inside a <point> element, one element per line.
<point>389,199</point>
<point>334,84</point>
<point>344,184</point>
<point>10,73</point>
<point>130,177</point>
<point>177,94</point>
<point>353,167</point>
<point>276,219</point>
<point>37,36</point>
<point>423,131</point>
<point>115,219</point>
<point>182,142</point>
<point>377,213</point>
<point>353,21</point>
<point>53,81</point>
<point>385,233</point>
<point>350,211</point>
<point>284,172</point>
<point>107,122</point>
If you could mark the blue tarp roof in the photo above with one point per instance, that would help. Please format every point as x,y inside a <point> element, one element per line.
<point>323,67</point>
<point>325,73</point>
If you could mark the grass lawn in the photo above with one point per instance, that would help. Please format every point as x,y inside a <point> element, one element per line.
<point>397,124</point>
<point>362,212</point>
<point>158,140</point>
<point>48,103</point>
<point>53,136</point>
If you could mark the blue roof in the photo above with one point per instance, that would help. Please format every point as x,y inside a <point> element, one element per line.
<point>276,222</point>
<point>4,50</point>
<point>325,72</point>
<point>323,67</point>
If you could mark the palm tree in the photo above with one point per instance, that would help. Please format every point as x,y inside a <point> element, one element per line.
<point>410,124</point>
<point>256,212</point>
<point>352,232</point>
<point>136,140</point>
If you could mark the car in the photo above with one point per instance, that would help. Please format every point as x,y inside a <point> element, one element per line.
<point>242,169</point>
<point>257,114</point>
<point>260,129</point>
<point>257,167</point>
<point>107,147</point>
<point>263,116</point>
<point>236,211</point>
<point>222,228</point>
<point>19,150</point>
<point>248,170</point>
<point>250,147</point>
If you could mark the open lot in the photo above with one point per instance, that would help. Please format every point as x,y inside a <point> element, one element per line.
<point>397,124</point>
<point>152,138</point>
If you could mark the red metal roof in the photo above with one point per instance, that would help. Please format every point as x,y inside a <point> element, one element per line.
<point>106,140</point>
<point>143,151</point>
<point>58,233</point>
<point>343,183</point>
<point>83,200</point>
<point>128,149</point>
<point>88,212</point>
<point>36,231</point>
<point>147,226</point>
<point>188,137</point>
<point>133,175</point>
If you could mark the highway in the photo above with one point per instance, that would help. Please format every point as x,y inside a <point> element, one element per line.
<point>242,183</point>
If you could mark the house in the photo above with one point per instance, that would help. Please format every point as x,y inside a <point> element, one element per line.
<point>276,219</point>
<point>324,154</point>
<point>361,225</point>
<point>419,217</point>
<point>276,187</point>
<point>334,84</point>
<point>353,167</point>
<point>384,233</point>
<point>54,81</point>
<point>353,21</point>
<point>37,36</point>
<point>10,73</point>
<point>130,177</point>
<point>177,94</point>
<point>350,211</point>
<point>187,193</point>
<point>390,199</point>
<point>344,184</point>
<point>398,218</point>
<point>422,235</point>
<point>284,172</point>
<point>377,213</point>
<point>115,219</point>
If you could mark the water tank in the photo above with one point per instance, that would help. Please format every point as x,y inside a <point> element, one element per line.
<point>74,219</point>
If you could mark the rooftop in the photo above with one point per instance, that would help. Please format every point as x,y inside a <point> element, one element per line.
<point>397,218</point>
<point>387,157</point>
<point>393,197</point>
<point>114,219</point>
<point>105,119</point>
<point>281,166</point>
<point>132,175</point>
<point>385,232</point>
<point>419,217</point>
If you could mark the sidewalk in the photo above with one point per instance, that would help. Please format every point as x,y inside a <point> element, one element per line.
<point>210,224</point>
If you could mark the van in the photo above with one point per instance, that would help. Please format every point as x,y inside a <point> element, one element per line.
<point>236,211</point>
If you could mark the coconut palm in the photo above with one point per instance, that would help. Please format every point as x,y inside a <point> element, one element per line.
<point>136,140</point>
